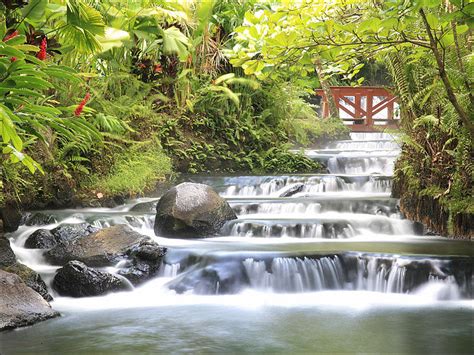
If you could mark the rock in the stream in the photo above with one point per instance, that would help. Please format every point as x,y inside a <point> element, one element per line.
<point>40,219</point>
<point>31,278</point>
<point>9,264</point>
<point>19,304</point>
<point>293,189</point>
<point>46,239</point>
<point>40,239</point>
<point>143,261</point>
<point>102,248</point>
<point>227,277</point>
<point>7,256</point>
<point>73,231</point>
<point>76,279</point>
<point>191,210</point>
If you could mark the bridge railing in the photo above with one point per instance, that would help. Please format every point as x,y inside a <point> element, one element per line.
<point>363,108</point>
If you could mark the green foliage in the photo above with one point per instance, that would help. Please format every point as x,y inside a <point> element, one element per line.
<point>278,160</point>
<point>134,171</point>
<point>26,112</point>
<point>156,72</point>
<point>234,127</point>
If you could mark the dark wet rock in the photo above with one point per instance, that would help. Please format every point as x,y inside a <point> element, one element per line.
<point>144,207</point>
<point>191,210</point>
<point>220,278</point>
<point>68,232</point>
<point>294,189</point>
<point>102,248</point>
<point>45,239</point>
<point>143,261</point>
<point>19,304</point>
<point>40,219</point>
<point>76,279</point>
<point>11,217</point>
<point>31,278</point>
<point>41,239</point>
<point>7,256</point>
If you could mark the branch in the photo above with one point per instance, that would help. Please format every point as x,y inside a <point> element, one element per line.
<point>465,119</point>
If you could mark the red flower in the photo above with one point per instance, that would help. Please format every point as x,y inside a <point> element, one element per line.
<point>158,68</point>
<point>13,59</point>
<point>41,55</point>
<point>11,35</point>
<point>83,103</point>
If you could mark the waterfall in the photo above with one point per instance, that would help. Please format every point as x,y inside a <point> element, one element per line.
<point>372,273</point>
<point>295,275</point>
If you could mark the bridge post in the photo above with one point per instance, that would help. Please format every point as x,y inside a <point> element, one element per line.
<point>370,103</point>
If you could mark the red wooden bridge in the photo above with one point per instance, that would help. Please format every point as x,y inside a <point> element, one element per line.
<point>363,108</point>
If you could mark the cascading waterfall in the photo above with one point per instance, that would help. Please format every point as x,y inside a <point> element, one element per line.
<point>314,241</point>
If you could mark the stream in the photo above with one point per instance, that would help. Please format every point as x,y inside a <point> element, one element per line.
<point>331,267</point>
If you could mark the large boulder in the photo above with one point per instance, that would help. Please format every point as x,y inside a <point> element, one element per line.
<point>31,278</point>
<point>76,279</point>
<point>103,248</point>
<point>20,305</point>
<point>191,210</point>
<point>47,239</point>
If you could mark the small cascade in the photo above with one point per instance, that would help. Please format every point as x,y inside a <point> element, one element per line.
<point>169,270</point>
<point>377,184</point>
<point>309,208</point>
<point>296,186</point>
<point>361,165</point>
<point>334,225</point>
<point>351,145</point>
<point>257,229</point>
<point>445,278</point>
<point>295,275</point>
<point>365,153</point>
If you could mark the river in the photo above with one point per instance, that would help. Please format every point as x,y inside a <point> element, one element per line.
<point>331,267</point>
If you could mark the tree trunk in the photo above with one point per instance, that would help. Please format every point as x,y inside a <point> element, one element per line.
<point>463,115</point>
<point>333,111</point>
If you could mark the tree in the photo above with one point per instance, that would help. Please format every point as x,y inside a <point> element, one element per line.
<point>292,37</point>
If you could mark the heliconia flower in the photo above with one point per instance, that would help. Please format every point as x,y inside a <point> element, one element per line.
<point>83,103</point>
<point>13,59</point>
<point>158,68</point>
<point>41,55</point>
<point>11,35</point>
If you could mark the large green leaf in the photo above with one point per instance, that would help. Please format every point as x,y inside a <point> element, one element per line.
<point>113,38</point>
<point>35,10</point>
<point>175,42</point>
<point>83,24</point>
